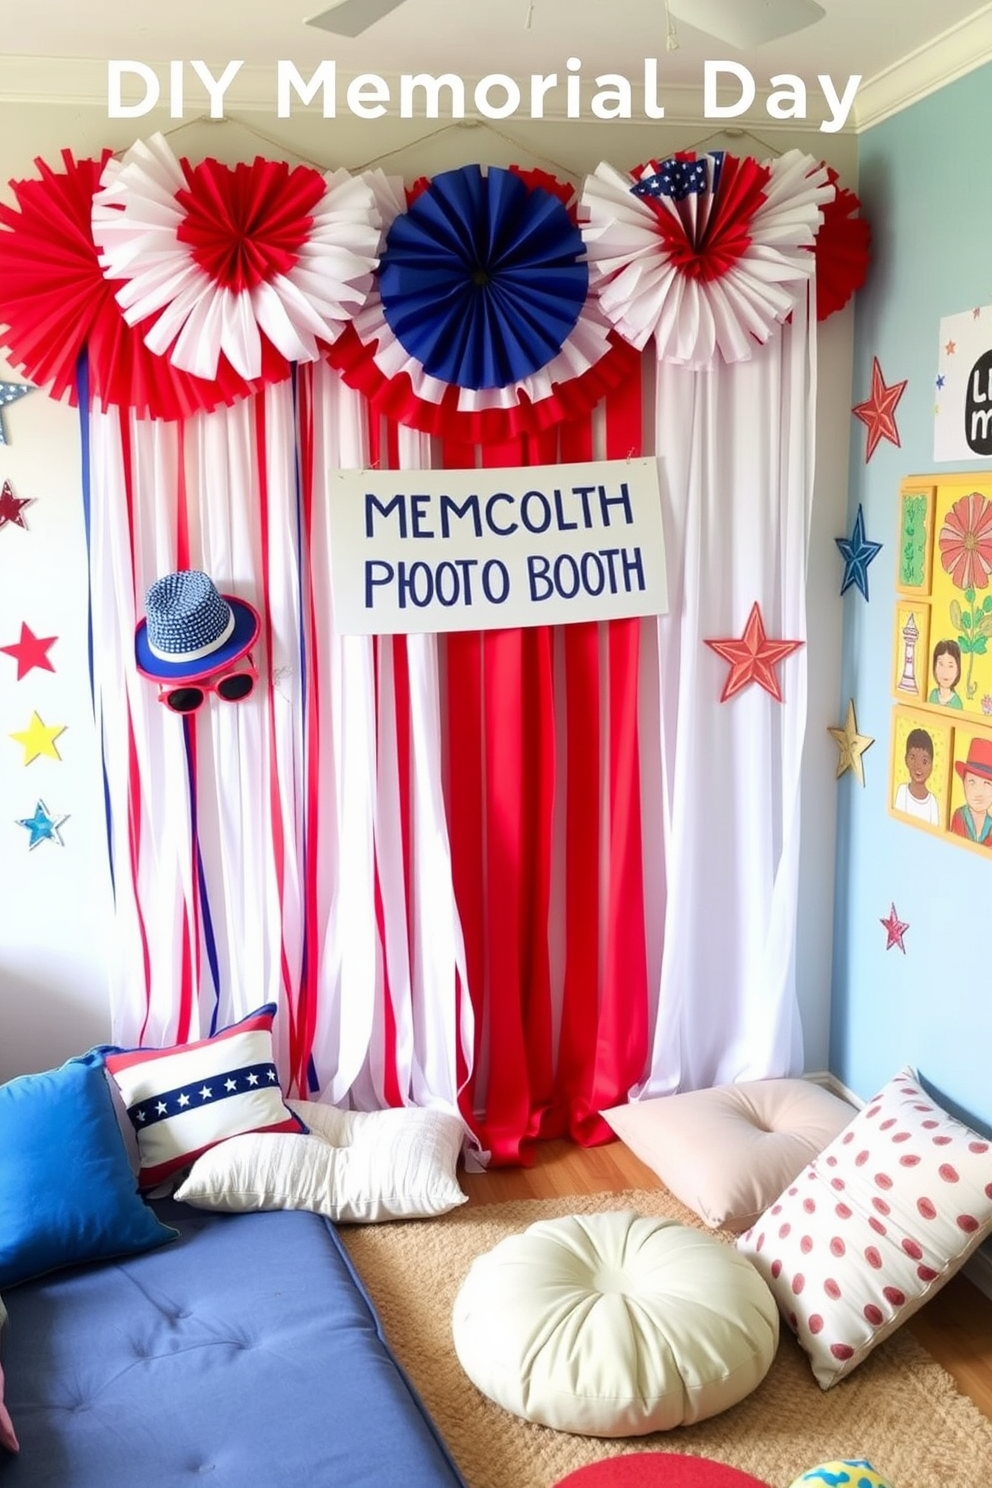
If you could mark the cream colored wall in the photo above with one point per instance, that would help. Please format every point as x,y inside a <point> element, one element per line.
<point>56,920</point>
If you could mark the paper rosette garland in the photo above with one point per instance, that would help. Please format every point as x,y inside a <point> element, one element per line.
<point>493,315</point>
<point>251,263</point>
<point>56,304</point>
<point>481,327</point>
<point>706,256</point>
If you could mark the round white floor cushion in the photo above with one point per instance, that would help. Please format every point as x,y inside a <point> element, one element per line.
<point>614,1324</point>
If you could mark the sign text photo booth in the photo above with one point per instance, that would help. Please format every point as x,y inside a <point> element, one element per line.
<point>429,550</point>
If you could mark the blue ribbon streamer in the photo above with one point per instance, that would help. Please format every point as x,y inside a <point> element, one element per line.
<point>483,279</point>
<point>83,403</point>
<point>206,919</point>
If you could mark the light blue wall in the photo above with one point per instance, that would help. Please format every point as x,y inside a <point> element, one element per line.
<point>925,182</point>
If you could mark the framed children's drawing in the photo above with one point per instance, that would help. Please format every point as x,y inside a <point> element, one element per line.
<point>920,774</point>
<point>971,789</point>
<point>911,650</point>
<point>915,542</point>
<point>942,657</point>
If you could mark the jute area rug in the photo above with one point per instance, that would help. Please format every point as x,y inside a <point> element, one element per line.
<point>900,1408</point>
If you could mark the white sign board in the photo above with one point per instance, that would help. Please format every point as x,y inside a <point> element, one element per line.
<point>963,394</point>
<point>439,550</point>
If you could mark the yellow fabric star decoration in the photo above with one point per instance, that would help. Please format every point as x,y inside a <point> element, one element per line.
<point>851,744</point>
<point>38,739</point>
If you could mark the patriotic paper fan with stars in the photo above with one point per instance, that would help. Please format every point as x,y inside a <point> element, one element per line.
<point>481,327</point>
<point>704,255</point>
<point>261,264</point>
<point>56,304</point>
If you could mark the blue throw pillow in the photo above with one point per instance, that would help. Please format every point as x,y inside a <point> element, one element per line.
<point>67,1192</point>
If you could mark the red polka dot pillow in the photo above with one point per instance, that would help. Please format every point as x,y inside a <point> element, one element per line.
<point>874,1226</point>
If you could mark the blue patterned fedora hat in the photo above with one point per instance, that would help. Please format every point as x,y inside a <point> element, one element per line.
<point>189,630</point>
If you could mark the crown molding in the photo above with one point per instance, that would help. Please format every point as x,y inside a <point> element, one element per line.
<point>949,56</point>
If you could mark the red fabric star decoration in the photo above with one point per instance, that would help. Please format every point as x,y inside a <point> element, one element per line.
<point>895,929</point>
<point>878,413</point>
<point>753,658</point>
<point>30,651</point>
<point>11,506</point>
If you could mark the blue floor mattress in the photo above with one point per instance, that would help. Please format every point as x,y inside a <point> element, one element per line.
<point>245,1354</point>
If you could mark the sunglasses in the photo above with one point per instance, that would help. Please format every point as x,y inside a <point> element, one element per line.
<point>233,687</point>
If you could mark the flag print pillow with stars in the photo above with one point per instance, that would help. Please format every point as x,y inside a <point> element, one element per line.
<point>185,1099</point>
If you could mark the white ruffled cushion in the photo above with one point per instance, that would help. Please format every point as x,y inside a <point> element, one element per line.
<point>356,1167</point>
<point>614,1324</point>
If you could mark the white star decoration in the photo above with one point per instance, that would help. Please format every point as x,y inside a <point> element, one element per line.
<point>205,1093</point>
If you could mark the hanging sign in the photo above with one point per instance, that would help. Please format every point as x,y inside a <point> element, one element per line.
<point>963,386</point>
<point>440,550</point>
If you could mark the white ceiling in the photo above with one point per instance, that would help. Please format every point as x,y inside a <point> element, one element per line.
<point>520,37</point>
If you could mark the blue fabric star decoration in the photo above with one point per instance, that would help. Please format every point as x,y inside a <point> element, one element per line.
<point>43,826</point>
<point>676,178</point>
<point>9,393</point>
<point>857,552</point>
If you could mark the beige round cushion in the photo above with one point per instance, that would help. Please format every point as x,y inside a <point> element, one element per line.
<point>614,1324</point>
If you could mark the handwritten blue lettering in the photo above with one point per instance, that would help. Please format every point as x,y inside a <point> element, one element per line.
<point>611,569</point>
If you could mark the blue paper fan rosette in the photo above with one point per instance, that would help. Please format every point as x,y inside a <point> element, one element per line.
<point>483,279</point>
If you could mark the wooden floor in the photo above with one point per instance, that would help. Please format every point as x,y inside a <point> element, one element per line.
<point>955,1326</point>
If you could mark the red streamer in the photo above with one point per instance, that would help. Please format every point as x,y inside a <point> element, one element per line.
<point>133,768</point>
<point>297,1056</point>
<point>583,794</point>
<point>623,1024</point>
<point>309,986</point>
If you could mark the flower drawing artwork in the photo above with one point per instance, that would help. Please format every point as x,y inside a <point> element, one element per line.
<point>965,543</point>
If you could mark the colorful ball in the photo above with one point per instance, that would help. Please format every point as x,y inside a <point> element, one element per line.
<point>847,1474</point>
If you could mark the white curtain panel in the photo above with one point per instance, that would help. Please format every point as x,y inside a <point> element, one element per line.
<point>736,445</point>
<point>315,900</point>
<point>296,791</point>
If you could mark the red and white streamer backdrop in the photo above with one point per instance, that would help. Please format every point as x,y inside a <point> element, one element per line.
<point>520,874</point>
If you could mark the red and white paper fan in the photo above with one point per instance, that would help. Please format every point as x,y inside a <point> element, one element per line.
<point>706,256</point>
<point>229,259</point>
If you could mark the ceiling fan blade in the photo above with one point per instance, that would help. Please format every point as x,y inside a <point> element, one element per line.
<point>747,23</point>
<point>352,17</point>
